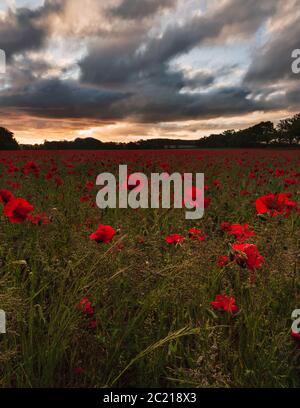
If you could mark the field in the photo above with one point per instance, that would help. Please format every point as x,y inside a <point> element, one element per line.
<point>136,309</point>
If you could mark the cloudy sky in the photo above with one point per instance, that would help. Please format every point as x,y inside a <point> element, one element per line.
<point>124,70</point>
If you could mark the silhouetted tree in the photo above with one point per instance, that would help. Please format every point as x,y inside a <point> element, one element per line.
<point>263,132</point>
<point>7,140</point>
<point>289,129</point>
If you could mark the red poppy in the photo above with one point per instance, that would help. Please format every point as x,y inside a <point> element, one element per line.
<point>17,210</point>
<point>6,196</point>
<point>196,234</point>
<point>93,324</point>
<point>59,181</point>
<point>174,239</point>
<point>225,226</point>
<point>275,204</point>
<point>31,167</point>
<point>226,303</point>
<point>86,307</point>
<point>207,201</point>
<point>290,182</point>
<point>223,260</point>
<point>85,199</point>
<point>14,185</point>
<point>104,233</point>
<point>79,370</point>
<point>240,231</point>
<point>39,219</point>
<point>89,185</point>
<point>247,255</point>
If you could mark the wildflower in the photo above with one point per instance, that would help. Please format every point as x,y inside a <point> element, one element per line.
<point>59,181</point>
<point>39,219</point>
<point>79,370</point>
<point>222,260</point>
<point>247,255</point>
<point>89,185</point>
<point>196,234</point>
<point>240,231</point>
<point>275,204</point>
<point>86,307</point>
<point>104,233</point>
<point>174,239</point>
<point>6,196</point>
<point>17,210</point>
<point>84,199</point>
<point>93,324</point>
<point>226,303</point>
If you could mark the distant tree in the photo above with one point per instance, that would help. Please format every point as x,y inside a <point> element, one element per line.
<point>289,130</point>
<point>263,132</point>
<point>7,140</point>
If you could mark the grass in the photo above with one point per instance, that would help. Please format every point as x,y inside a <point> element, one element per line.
<point>155,324</point>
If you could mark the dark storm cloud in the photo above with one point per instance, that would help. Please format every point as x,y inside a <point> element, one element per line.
<point>62,99</point>
<point>273,62</point>
<point>66,99</point>
<point>26,29</point>
<point>142,66</point>
<point>293,97</point>
<point>238,18</point>
<point>129,76</point>
<point>112,62</point>
<point>137,9</point>
<point>155,106</point>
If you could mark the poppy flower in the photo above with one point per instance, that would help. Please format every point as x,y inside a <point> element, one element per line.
<point>225,226</point>
<point>196,234</point>
<point>93,324</point>
<point>14,185</point>
<point>89,185</point>
<point>59,181</point>
<point>222,260</point>
<point>275,204</point>
<point>207,201</point>
<point>244,192</point>
<point>290,182</point>
<point>6,196</point>
<point>39,219</point>
<point>31,167</point>
<point>279,172</point>
<point>85,199</point>
<point>240,231</point>
<point>247,255</point>
<point>104,233</point>
<point>86,307</point>
<point>174,239</point>
<point>79,370</point>
<point>17,210</point>
<point>226,303</point>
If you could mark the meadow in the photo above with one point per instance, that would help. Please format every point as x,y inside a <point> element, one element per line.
<point>146,298</point>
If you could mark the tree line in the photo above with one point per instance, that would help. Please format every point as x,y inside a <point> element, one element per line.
<point>285,134</point>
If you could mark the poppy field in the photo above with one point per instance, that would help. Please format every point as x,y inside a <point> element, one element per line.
<point>144,297</point>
